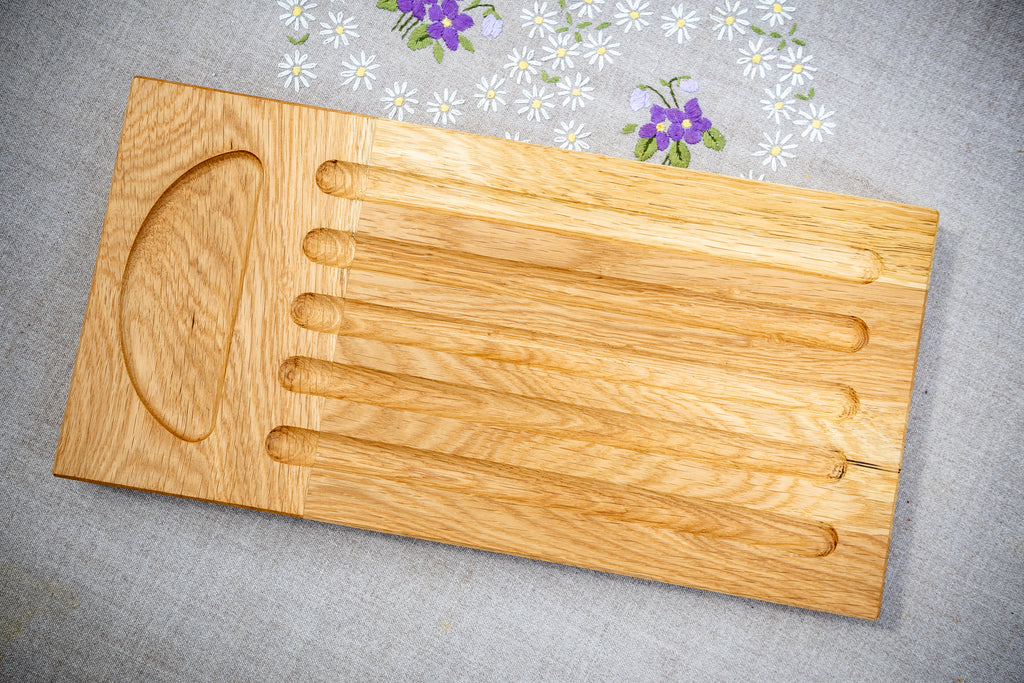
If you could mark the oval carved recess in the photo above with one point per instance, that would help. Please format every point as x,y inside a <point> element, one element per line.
<point>181,288</point>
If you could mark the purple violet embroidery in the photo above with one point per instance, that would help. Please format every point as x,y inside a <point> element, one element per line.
<point>447,23</point>
<point>417,7</point>
<point>664,125</point>
<point>693,122</point>
<point>672,127</point>
<point>491,27</point>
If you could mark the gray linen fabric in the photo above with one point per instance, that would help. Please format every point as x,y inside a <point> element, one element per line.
<point>101,583</point>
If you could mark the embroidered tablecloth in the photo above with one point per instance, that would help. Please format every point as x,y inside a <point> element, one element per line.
<point>907,101</point>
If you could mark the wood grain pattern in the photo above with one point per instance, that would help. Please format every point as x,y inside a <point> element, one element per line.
<point>672,375</point>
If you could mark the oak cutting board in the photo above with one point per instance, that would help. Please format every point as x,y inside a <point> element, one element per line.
<point>668,374</point>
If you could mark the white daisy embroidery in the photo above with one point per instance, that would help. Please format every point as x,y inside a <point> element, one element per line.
<point>679,24</point>
<point>340,30</point>
<point>522,65</point>
<point>570,136</point>
<point>536,103</point>
<point>514,136</point>
<point>796,67</point>
<point>576,91</point>
<point>445,107</point>
<point>729,20</point>
<point>775,13</point>
<point>631,15</point>
<point>297,15</point>
<point>758,60</point>
<point>779,103</point>
<point>489,93</point>
<point>775,150</point>
<point>815,123</point>
<point>360,71</point>
<point>540,20</point>
<point>296,71</point>
<point>586,9</point>
<point>599,48</point>
<point>560,51</point>
<point>750,176</point>
<point>398,101</point>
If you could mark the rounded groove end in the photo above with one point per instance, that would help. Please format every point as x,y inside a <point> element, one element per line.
<point>292,445</point>
<point>316,312</point>
<point>342,179</point>
<point>329,247</point>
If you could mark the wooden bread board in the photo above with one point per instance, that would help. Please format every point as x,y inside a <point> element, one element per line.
<point>668,374</point>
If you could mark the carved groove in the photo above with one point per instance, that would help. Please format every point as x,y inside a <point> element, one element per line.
<point>181,288</point>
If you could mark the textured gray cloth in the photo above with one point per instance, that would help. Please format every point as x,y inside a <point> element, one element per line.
<point>102,583</point>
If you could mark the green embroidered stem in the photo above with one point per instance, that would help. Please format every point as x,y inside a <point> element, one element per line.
<point>656,92</point>
<point>491,8</point>
<point>400,20</point>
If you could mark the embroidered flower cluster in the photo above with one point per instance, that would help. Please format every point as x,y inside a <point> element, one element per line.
<point>441,24</point>
<point>671,128</point>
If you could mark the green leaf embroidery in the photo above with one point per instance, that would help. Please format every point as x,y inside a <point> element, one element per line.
<point>389,5</point>
<point>465,43</point>
<point>799,42</point>
<point>584,24</point>
<point>602,26</point>
<point>781,45</point>
<point>549,79</point>
<point>568,18</point>
<point>561,3</point>
<point>438,51</point>
<point>663,82</point>
<point>629,128</point>
<point>802,97</point>
<point>775,34</point>
<point>578,37</point>
<point>300,41</point>
<point>810,93</point>
<point>419,38</point>
<point>679,154</point>
<point>645,148</point>
<point>756,30</point>
<point>563,29</point>
<point>792,29</point>
<point>713,139</point>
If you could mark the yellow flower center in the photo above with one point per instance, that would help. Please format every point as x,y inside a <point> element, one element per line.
<point>777,8</point>
<point>589,2</point>
<point>571,137</point>
<point>576,92</point>
<point>601,50</point>
<point>445,107</point>
<point>681,23</point>
<point>538,20</point>
<point>399,101</point>
<point>296,70</point>
<point>780,105</point>
<point>339,30</point>
<point>536,104</point>
<point>798,68</point>
<point>776,151</point>
<point>491,94</point>
<point>561,52</point>
<point>523,66</point>
<point>296,11</point>
<point>661,127</point>
<point>634,15</point>
<point>687,123</point>
<point>446,22</point>
<point>729,21</point>
<point>361,71</point>
<point>756,59</point>
<point>816,123</point>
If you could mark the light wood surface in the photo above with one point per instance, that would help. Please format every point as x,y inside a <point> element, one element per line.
<point>667,374</point>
